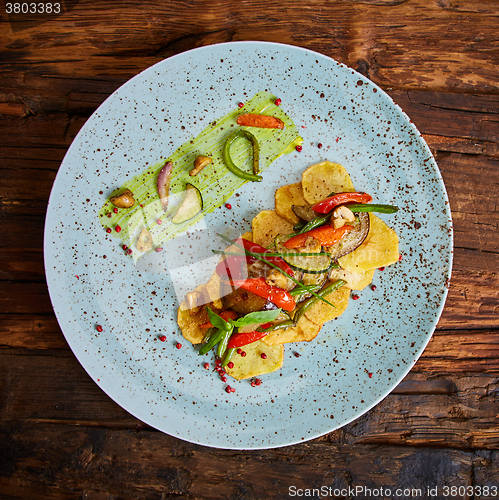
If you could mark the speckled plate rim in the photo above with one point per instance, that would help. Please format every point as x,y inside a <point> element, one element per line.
<point>438,310</point>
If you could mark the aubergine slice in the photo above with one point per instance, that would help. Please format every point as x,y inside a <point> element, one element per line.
<point>304,212</point>
<point>353,238</point>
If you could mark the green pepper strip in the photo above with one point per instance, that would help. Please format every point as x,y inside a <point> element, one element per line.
<point>222,345</point>
<point>229,163</point>
<point>214,339</point>
<point>228,355</point>
<point>259,257</point>
<point>312,300</point>
<point>368,207</point>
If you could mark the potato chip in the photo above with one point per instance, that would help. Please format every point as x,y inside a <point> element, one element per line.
<point>267,225</point>
<point>357,280</point>
<point>320,312</point>
<point>322,179</point>
<point>248,235</point>
<point>285,198</point>
<point>380,248</point>
<point>253,364</point>
<point>304,331</point>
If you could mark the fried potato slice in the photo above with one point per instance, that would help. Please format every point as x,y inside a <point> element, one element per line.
<point>304,331</point>
<point>191,313</point>
<point>285,198</point>
<point>248,235</point>
<point>323,178</point>
<point>189,321</point>
<point>253,364</point>
<point>380,248</point>
<point>267,225</point>
<point>357,280</point>
<point>320,312</point>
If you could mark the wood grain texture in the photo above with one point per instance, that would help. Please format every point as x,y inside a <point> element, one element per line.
<point>61,436</point>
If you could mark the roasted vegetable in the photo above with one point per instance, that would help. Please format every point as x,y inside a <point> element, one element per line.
<point>261,121</point>
<point>190,206</point>
<point>163,183</point>
<point>124,200</point>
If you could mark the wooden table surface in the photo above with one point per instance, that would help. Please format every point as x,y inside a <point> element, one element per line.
<point>62,437</point>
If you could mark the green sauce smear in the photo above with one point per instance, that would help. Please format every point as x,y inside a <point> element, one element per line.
<point>216,182</point>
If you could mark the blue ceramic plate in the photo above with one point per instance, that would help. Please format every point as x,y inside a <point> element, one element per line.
<point>382,334</point>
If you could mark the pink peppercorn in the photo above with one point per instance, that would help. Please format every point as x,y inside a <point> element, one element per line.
<point>298,147</point>
<point>159,222</point>
<point>223,378</point>
<point>400,257</point>
<point>243,353</point>
<point>178,345</point>
<point>162,338</point>
<point>206,366</point>
<point>296,354</point>
<point>117,228</point>
<point>228,206</point>
<point>258,381</point>
<point>240,104</point>
<point>129,251</point>
<point>369,374</point>
<point>108,230</point>
<point>278,101</point>
<point>381,268</point>
<point>115,210</point>
<point>355,297</point>
<point>239,350</point>
<point>230,364</point>
<point>373,287</point>
<point>158,249</point>
<point>228,389</point>
<point>98,328</point>
<point>124,247</point>
<point>319,145</point>
<point>263,355</point>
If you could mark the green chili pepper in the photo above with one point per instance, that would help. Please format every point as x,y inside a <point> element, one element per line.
<point>373,207</point>
<point>312,300</point>
<point>229,163</point>
<point>228,355</point>
<point>214,339</point>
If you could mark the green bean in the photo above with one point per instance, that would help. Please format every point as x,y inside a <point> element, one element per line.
<point>214,339</point>
<point>312,300</point>
<point>228,354</point>
<point>373,207</point>
<point>318,221</point>
<point>278,254</point>
<point>298,292</point>
<point>277,326</point>
<point>222,345</point>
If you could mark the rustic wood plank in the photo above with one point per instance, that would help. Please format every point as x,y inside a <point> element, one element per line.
<point>449,409</point>
<point>87,461</point>
<point>400,46</point>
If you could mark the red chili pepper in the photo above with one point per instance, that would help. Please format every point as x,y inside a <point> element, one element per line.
<point>325,206</point>
<point>233,267</point>
<point>325,235</point>
<point>241,339</point>
<point>277,261</point>
<point>281,298</point>
<point>226,315</point>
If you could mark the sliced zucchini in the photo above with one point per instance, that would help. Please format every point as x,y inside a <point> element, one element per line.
<point>310,264</point>
<point>190,206</point>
